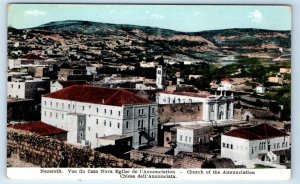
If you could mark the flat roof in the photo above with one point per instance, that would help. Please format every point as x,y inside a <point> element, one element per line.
<point>114,137</point>
<point>11,100</point>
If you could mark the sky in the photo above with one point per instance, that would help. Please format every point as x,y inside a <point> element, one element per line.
<point>187,18</point>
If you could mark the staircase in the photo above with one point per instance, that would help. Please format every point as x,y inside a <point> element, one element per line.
<point>143,132</point>
<point>273,157</point>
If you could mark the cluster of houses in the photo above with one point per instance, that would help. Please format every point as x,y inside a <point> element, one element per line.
<point>77,104</point>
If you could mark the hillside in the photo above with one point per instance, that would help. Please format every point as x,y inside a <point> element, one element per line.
<point>210,46</point>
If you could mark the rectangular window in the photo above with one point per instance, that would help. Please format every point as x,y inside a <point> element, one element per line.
<point>185,138</point>
<point>152,122</point>
<point>127,112</point>
<point>62,105</point>
<point>62,116</point>
<point>96,135</point>
<point>97,121</point>
<point>50,114</point>
<point>12,85</point>
<point>56,104</point>
<point>142,111</point>
<point>180,137</point>
<point>227,146</point>
<point>152,110</point>
<point>69,106</point>
<point>119,113</point>
<point>190,139</point>
<point>19,86</point>
<point>127,124</point>
<point>45,102</point>
<point>97,110</point>
<point>51,104</point>
<point>83,108</point>
<point>118,125</point>
<point>89,128</point>
<point>211,108</point>
<point>110,124</point>
<point>104,122</point>
<point>110,112</point>
<point>223,145</point>
<point>89,107</point>
<point>231,146</point>
<point>104,111</point>
<point>44,113</point>
<point>56,115</point>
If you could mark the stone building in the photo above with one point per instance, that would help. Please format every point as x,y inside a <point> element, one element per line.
<point>189,137</point>
<point>215,107</point>
<point>21,109</point>
<point>31,89</point>
<point>90,113</point>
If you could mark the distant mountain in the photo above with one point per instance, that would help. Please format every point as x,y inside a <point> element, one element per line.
<point>203,45</point>
<point>87,27</point>
<point>236,36</point>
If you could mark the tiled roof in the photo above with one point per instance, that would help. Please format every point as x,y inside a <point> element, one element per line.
<point>31,56</point>
<point>200,95</point>
<point>39,128</point>
<point>261,131</point>
<point>71,83</point>
<point>97,95</point>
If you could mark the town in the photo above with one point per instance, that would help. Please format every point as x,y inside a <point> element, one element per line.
<point>155,97</point>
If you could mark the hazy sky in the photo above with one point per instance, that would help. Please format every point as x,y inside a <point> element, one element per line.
<point>177,17</point>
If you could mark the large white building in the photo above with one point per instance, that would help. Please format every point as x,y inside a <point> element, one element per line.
<point>262,142</point>
<point>215,107</point>
<point>90,114</point>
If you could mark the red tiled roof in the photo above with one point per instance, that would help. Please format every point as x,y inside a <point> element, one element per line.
<point>97,95</point>
<point>201,95</point>
<point>71,83</point>
<point>39,128</point>
<point>261,131</point>
<point>32,56</point>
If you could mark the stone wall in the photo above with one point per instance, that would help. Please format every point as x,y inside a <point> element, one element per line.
<point>182,160</point>
<point>152,159</point>
<point>48,152</point>
<point>180,112</point>
<point>188,160</point>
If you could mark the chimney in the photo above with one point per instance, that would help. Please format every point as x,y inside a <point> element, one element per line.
<point>103,101</point>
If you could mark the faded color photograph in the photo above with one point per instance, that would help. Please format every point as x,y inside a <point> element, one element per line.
<point>149,86</point>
